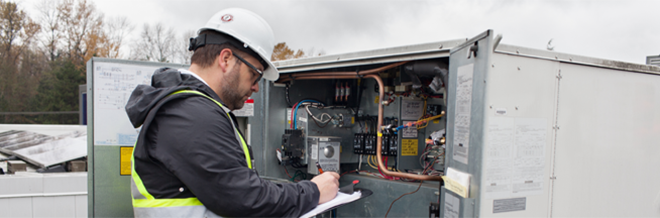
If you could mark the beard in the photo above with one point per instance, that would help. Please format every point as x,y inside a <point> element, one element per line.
<point>230,92</point>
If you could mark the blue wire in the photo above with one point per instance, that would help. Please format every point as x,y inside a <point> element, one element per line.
<point>295,113</point>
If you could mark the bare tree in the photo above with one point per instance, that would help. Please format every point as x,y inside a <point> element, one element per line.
<point>157,43</point>
<point>77,30</point>
<point>82,29</point>
<point>117,28</point>
<point>52,32</point>
<point>182,48</point>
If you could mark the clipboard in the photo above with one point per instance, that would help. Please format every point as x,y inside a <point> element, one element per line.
<point>336,204</point>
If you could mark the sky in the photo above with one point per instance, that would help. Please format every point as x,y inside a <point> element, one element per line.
<point>622,30</point>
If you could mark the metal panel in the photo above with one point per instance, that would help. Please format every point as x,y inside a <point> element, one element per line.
<point>384,192</point>
<point>82,89</point>
<point>108,192</point>
<point>607,144</point>
<point>112,193</point>
<point>519,89</point>
<point>576,59</point>
<point>478,66</point>
<point>387,55</point>
<point>63,206</point>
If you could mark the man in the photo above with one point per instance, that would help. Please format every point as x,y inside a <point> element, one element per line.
<point>190,160</point>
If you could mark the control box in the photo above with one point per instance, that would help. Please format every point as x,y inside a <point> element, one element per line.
<point>325,151</point>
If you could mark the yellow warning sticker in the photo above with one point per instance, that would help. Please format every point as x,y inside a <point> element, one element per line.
<point>377,99</point>
<point>436,121</point>
<point>125,154</point>
<point>408,147</point>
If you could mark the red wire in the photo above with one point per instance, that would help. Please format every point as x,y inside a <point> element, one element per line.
<point>381,173</point>
<point>287,172</point>
<point>352,171</point>
<point>292,109</point>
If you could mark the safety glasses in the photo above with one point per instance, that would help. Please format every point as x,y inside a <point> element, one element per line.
<point>261,74</point>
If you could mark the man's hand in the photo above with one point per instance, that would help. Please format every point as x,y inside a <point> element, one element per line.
<point>328,184</point>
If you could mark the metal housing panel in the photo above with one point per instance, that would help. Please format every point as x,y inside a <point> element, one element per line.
<point>607,144</point>
<point>384,192</point>
<point>379,56</point>
<point>577,59</point>
<point>519,88</point>
<point>480,64</point>
<point>108,192</point>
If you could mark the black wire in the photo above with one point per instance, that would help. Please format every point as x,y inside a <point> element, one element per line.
<point>288,100</point>
<point>359,97</point>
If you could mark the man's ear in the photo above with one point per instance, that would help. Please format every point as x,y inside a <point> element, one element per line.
<point>223,60</point>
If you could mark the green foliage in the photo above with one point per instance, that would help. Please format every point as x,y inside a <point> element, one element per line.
<point>58,91</point>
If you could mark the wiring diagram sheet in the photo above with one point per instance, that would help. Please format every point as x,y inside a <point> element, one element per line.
<point>113,85</point>
<point>463,104</point>
<point>514,157</point>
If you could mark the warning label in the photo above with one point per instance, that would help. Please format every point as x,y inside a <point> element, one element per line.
<point>508,205</point>
<point>247,110</point>
<point>125,154</point>
<point>408,147</point>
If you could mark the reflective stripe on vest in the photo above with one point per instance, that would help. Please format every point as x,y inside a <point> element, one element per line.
<point>143,200</point>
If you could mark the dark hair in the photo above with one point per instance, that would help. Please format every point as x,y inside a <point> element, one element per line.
<point>205,55</point>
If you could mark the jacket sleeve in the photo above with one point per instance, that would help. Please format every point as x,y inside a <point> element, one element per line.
<point>196,142</point>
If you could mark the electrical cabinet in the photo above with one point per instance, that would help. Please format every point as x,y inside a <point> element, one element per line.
<point>533,132</point>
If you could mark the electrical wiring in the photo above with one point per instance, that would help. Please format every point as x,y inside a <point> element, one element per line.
<point>286,171</point>
<point>295,111</point>
<point>409,193</point>
<point>318,119</point>
<point>419,122</point>
<point>292,120</point>
<point>370,74</point>
<point>360,163</point>
<point>372,165</point>
<point>286,95</point>
<point>413,192</point>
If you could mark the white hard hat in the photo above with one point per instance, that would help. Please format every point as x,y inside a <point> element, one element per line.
<point>251,30</point>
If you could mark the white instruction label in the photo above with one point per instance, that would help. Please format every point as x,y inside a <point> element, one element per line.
<point>315,151</point>
<point>452,206</point>
<point>463,109</point>
<point>411,109</point>
<point>515,157</point>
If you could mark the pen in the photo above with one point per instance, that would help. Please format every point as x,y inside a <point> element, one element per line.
<point>319,166</point>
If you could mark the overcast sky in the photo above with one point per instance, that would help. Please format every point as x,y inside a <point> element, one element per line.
<point>617,30</point>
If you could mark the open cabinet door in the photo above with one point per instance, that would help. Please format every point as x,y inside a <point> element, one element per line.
<point>468,66</point>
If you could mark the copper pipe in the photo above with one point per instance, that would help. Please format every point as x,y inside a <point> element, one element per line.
<point>379,140</point>
<point>376,70</point>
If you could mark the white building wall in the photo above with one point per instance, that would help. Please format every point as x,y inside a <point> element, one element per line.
<point>43,195</point>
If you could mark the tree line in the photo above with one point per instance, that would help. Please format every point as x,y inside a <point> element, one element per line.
<point>43,56</point>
